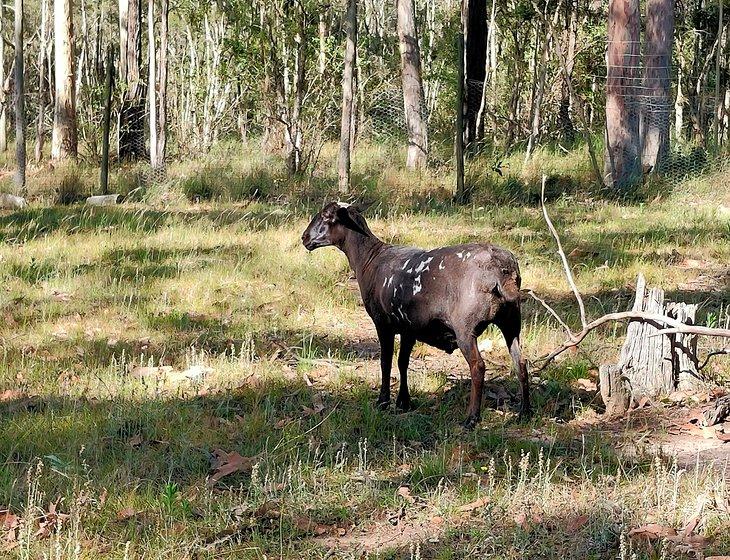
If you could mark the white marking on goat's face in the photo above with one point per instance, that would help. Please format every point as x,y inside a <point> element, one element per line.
<point>343,204</point>
<point>405,264</point>
<point>441,265</point>
<point>417,285</point>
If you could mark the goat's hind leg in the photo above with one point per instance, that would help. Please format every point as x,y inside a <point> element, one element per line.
<point>511,334</point>
<point>468,347</point>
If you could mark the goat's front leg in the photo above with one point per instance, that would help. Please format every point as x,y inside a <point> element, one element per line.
<point>386,337</point>
<point>403,401</point>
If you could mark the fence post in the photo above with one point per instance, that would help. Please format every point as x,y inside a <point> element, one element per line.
<point>460,195</point>
<point>104,178</point>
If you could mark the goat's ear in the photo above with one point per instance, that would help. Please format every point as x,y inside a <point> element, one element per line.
<point>361,206</point>
<point>344,217</point>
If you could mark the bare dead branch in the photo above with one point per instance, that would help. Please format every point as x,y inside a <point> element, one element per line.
<point>710,355</point>
<point>552,312</point>
<point>653,318</point>
<point>666,325</point>
<point>566,265</point>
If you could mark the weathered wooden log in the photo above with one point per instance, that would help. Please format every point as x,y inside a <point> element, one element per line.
<point>12,202</point>
<point>651,363</point>
<point>613,389</point>
<point>103,200</point>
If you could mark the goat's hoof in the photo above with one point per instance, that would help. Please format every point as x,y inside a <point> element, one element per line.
<point>382,404</point>
<point>471,423</point>
<point>403,404</point>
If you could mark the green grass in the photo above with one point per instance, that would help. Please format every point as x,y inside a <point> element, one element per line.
<point>89,296</point>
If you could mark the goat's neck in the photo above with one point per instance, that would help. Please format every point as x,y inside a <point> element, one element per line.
<point>360,250</point>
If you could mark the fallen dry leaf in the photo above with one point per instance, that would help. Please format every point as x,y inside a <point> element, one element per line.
<point>476,504</point>
<point>127,513</point>
<point>11,395</point>
<point>587,385</point>
<point>224,464</point>
<point>576,524</point>
<point>437,520</point>
<point>690,527</point>
<point>405,493</point>
<point>653,531</point>
<point>693,542</point>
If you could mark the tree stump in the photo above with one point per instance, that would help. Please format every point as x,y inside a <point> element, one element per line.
<point>651,364</point>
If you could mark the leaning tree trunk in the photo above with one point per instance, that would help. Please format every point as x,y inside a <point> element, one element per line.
<point>412,86</point>
<point>657,66</point>
<point>651,364</point>
<point>64,143</point>
<point>348,81</point>
<point>19,99</point>
<point>622,166</point>
<point>132,110</point>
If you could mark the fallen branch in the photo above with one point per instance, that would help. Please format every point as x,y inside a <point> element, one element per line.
<point>566,266</point>
<point>667,325</point>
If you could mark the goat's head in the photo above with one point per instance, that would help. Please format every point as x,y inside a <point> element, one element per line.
<point>331,225</point>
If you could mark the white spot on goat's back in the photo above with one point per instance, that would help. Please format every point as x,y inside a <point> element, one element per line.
<point>441,265</point>
<point>417,285</point>
<point>405,264</point>
<point>460,254</point>
<point>423,265</point>
<point>385,281</point>
<point>390,281</point>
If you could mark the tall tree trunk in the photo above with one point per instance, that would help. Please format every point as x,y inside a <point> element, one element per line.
<point>132,111</point>
<point>162,84</point>
<point>476,59</point>
<point>657,66</point>
<point>152,82</point>
<point>40,122</point>
<point>3,89</point>
<point>19,99</point>
<point>64,143</point>
<point>323,16</point>
<point>570,38</point>
<point>348,79</point>
<point>622,165</point>
<point>106,123</point>
<point>412,86</point>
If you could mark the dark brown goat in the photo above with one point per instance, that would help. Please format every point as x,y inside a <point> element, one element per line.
<point>444,297</point>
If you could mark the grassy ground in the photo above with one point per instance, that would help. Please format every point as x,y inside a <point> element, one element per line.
<point>143,344</point>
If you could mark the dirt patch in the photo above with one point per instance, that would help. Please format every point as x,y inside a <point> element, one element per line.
<point>382,535</point>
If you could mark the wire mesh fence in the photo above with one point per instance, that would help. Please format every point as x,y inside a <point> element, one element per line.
<point>657,119</point>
